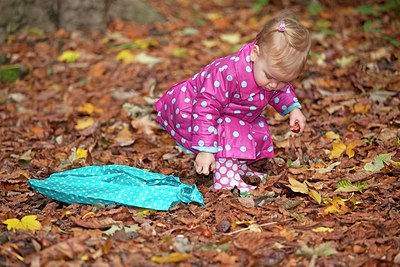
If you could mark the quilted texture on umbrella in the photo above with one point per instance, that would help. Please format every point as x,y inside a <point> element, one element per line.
<point>117,184</point>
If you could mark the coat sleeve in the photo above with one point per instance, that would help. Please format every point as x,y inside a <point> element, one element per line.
<point>213,94</point>
<point>284,100</point>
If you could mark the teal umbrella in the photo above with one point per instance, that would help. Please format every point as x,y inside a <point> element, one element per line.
<point>117,184</point>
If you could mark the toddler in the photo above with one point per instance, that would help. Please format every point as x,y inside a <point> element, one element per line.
<point>217,114</point>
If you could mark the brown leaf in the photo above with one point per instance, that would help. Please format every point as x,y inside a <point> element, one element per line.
<point>95,223</point>
<point>64,250</point>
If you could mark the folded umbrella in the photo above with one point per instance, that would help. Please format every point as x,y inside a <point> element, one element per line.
<point>117,184</point>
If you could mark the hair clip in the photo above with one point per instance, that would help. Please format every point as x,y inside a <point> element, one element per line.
<point>282,27</point>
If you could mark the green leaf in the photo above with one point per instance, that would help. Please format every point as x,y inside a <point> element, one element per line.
<point>391,40</point>
<point>367,10</point>
<point>347,187</point>
<point>343,183</point>
<point>378,163</point>
<point>10,73</point>
<point>258,7</point>
<point>314,8</point>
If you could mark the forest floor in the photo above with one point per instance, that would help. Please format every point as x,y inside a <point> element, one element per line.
<point>332,193</point>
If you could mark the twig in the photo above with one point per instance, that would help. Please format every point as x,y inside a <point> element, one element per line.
<point>258,225</point>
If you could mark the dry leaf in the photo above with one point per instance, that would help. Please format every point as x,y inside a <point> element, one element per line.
<point>144,125</point>
<point>337,150</point>
<point>125,137</point>
<point>296,186</point>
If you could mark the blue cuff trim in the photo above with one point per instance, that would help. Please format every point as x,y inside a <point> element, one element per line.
<point>187,151</point>
<point>291,108</point>
<point>206,149</point>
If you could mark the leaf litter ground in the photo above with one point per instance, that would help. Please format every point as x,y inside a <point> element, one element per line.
<point>331,197</point>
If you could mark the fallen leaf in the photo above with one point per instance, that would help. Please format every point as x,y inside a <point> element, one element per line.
<point>148,60</point>
<point>171,258</point>
<point>362,108</point>
<point>231,38</point>
<point>315,195</point>
<point>69,56</point>
<point>332,135</point>
<point>144,125</point>
<point>81,153</point>
<point>329,168</point>
<point>378,162</point>
<point>296,186</point>
<point>323,230</point>
<point>125,137</point>
<point>337,206</point>
<point>337,150</point>
<point>125,56</point>
<point>84,123</point>
<point>27,222</point>
<point>88,109</point>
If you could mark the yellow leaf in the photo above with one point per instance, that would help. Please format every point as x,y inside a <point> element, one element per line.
<point>171,258</point>
<point>213,16</point>
<point>315,195</point>
<point>125,56</point>
<point>13,224</point>
<point>337,150</point>
<point>323,230</point>
<point>81,153</point>
<point>144,44</point>
<point>337,206</point>
<point>179,52</point>
<point>28,222</point>
<point>69,56</point>
<point>231,38</point>
<point>354,143</point>
<point>88,108</point>
<point>362,108</point>
<point>84,123</point>
<point>332,136</point>
<point>296,186</point>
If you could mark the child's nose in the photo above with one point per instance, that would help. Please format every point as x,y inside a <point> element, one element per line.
<point>273,84</point>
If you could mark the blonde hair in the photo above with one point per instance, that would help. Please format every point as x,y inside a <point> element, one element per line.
<point>288,47</point>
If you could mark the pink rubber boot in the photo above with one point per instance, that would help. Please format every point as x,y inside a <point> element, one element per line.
<point>245,170</point>
<point>227,176</point>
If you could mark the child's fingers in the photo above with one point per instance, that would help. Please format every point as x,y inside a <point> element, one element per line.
<point>198,168</point>
<point>212,166</point>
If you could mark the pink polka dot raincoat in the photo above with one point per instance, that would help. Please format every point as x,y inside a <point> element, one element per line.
<point>219,110</point>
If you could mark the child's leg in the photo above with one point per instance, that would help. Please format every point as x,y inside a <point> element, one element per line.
<point>245,170</point>
<point>227,176</point>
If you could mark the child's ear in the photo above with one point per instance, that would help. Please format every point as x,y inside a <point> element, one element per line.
<point>255,53</point>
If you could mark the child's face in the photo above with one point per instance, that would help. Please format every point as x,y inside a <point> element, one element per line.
<point>265,74</point>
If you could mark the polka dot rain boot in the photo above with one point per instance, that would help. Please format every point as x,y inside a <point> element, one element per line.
<point>245,170</point>
<point>227,176</point>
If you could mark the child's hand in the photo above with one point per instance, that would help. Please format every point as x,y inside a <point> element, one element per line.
<point>204,163</point>
<point>297,121</point>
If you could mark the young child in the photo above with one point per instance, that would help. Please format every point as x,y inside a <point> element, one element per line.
<point>217,114</point>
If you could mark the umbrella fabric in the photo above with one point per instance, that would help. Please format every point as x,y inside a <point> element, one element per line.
<point>117,184</point>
